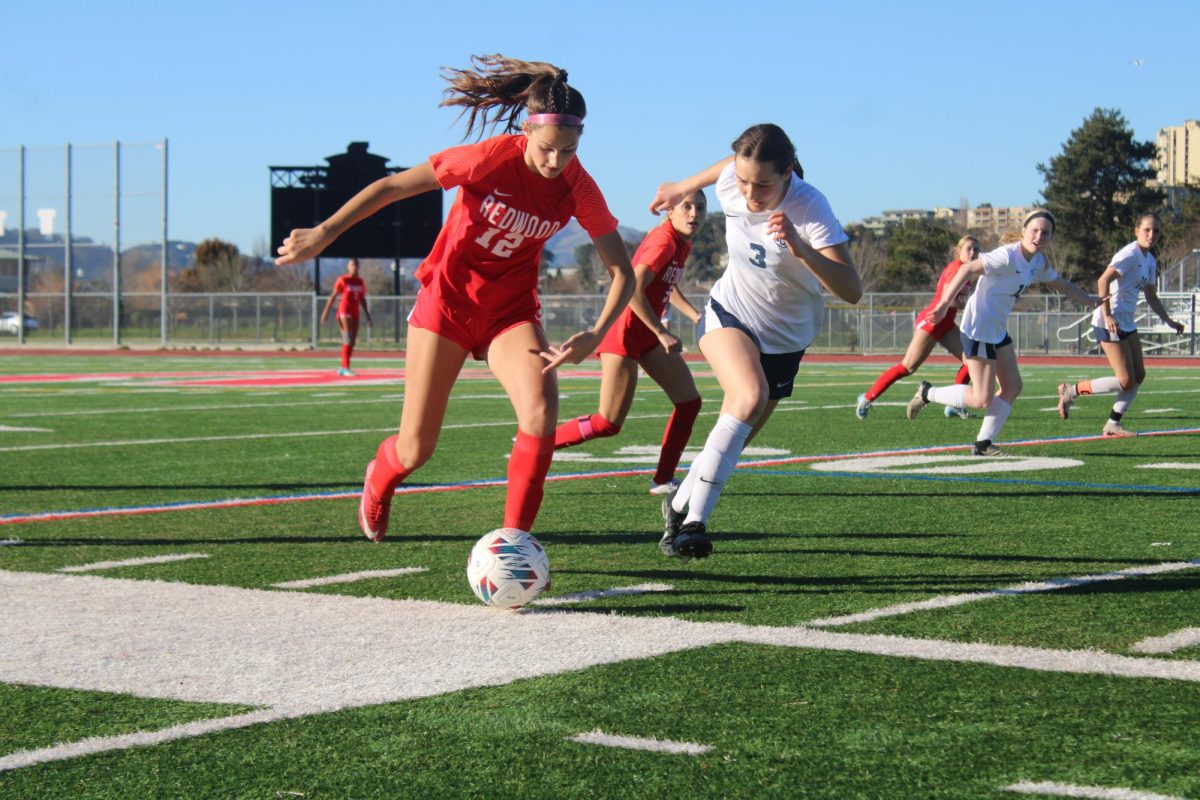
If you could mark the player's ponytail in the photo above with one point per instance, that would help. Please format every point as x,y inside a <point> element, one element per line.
<point>767,143</point>
<point>496,89</point>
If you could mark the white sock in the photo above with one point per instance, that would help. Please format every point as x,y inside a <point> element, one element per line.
<point>1106,385</point>
<point>713,467</point>
<point>994,418</point>
<point>954,396</point>
<point>1125,398</point>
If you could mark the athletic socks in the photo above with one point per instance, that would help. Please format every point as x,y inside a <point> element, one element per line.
<point>675,438</point>
<point>1108,385</point>
<point>954,396</point>
<point>1124,401</point>
<point>389,472</point>
<point>702,487</point>
<point>889,376</point>
<point>527,468</point>
<point>964,375</point>
<point>346,351</point>
<point>581,429</point>
<point>994,417</point>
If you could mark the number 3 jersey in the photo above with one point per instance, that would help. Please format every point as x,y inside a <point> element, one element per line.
<point>771,291</point>
<point>486,257</point>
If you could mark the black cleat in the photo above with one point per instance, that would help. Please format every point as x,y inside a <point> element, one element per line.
<point>692,541</point>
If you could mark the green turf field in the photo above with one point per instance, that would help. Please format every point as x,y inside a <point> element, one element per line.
<point>882,616</point>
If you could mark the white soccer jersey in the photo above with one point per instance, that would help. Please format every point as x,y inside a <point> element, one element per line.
<point>1136,270</point>
<point>771,291</point>
<point>1006,274</point>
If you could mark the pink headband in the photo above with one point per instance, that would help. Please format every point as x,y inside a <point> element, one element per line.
<point>554,119</point>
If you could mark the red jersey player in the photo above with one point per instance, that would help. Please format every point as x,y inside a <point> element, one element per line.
<point>479,284</point>
<point>354,295</point>
<point>926,335</point>
<point>639,338</point>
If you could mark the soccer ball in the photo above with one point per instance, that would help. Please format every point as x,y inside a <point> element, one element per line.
<point>508,568</point>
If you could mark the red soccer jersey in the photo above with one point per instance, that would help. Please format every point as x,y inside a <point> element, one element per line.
<point>486,257</point>
<point>947,275</point>
<point>353,291</point>
<point>664,251</point>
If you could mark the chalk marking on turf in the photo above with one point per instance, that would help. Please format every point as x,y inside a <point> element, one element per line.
<point>640,743</point>
<point>385,399</point>
<point>137,637</point>
<point>1075,790</point>
<point>349,577</point>
<point>600,594</point>
<point>133,562</point>
<point>104,744</point>
<point>965,464</point>
<point>1031,587</point>
<point>43,516</point>
<point>1158,410</point>
<point>1170,465</point>
<point>9,542</point>
<point>14,429</point>
<point>1179,640</point>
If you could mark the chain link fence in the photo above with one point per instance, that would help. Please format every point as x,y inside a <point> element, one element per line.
<point>878,324</point>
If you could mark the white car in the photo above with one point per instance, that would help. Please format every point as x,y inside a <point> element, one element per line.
<point>9,323</point>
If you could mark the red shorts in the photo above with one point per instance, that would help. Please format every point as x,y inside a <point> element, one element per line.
<point>936,331</point>
<point>348,315</point>
<point>631,341</point>
<point>473,332</point>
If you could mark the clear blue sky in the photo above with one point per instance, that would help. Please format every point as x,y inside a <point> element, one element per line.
<point>891,105</point>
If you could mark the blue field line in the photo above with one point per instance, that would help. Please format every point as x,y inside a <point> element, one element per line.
<point>977,479</point>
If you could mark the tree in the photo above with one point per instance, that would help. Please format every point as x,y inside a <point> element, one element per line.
<point>1095,188</point>
<point>916,252</point>
<point>219,267</point>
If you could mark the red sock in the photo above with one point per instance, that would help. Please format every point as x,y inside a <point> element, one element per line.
<point>963,376</point>
<point>581,429</point>
<point>527,468</point>
<point>389,472</point>
<point>675,438</point>
<point>889,376</point>
<point>346,351</point>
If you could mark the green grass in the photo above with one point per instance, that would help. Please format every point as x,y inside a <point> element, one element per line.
<point>792,544</point>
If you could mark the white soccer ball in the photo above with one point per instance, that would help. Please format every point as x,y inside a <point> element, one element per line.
<point>508,568</point>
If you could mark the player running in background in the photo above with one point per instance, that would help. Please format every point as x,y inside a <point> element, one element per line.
<point>926,335</point>
<point>1132,271</point>
<point>478,291</point>
<point>354,295</point>
<point>785,244</point>
<point>639,338</point>
<point>1001,275</point>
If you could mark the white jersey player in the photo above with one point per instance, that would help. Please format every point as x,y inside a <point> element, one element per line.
<point>1132,272</point>
<point>1002,275</point>
<point>785,246</point>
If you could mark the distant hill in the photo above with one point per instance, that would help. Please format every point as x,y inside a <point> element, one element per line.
<point>563,243</point>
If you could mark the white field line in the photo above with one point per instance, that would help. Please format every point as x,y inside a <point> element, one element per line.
<point>104,744</point>
<point>1170,465</point>
<point>133,562</point>
<point>1032,587</point>
<point>253,436</point>
<point>1097,792</point>
<point>389,400</point>
<point>1187,637</point>
<point>14,429</point>
<point>620,591</point>
<point>9,542</point>
<point>349,577</point>
<point>640,743</point>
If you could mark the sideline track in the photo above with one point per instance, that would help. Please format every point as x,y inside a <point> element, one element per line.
<point>50,516</point>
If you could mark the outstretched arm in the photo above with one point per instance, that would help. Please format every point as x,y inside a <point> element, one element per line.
<point>1064,286</point>
<point>671,193</point>
<point>964,275</point>
<point>306,243</point>
<point>1156,305</point>
<point>611,250</point>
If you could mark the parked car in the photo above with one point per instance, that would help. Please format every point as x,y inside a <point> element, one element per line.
<point>9,323</point>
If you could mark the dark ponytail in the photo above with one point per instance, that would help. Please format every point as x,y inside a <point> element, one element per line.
<point>497,89</point>
<point>767,143</point>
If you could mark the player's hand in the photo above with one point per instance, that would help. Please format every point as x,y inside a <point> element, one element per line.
<point>937,313</point>
<point>1110,324</point>
<point>781,229</point>
<point>669,342</point>
<point>575,350</point>
<point>301,245</point>
<point>667,196</point>
<point>1178,326</point>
